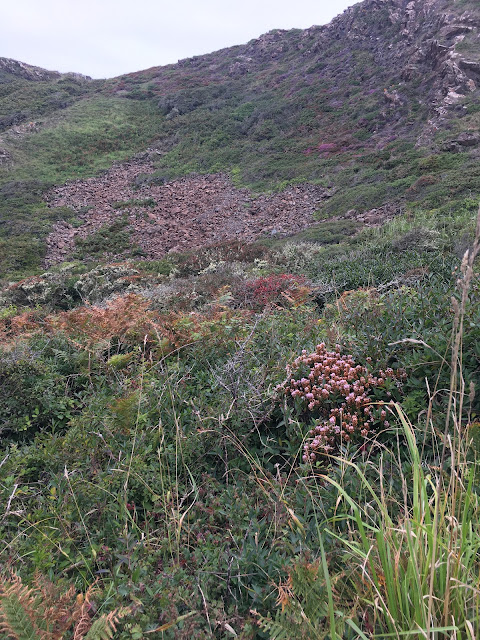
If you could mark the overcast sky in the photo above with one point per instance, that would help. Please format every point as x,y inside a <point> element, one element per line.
<point>105,38</point>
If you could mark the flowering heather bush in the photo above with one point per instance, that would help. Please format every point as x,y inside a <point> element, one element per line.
<point>340,395</point>
<point>273,289</point>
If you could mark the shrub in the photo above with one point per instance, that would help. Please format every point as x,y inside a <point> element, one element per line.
<point>280,289</point>
<point>40,387</point>
<point>126,320</point>
<point>339,395</point>
<point>113,238</point>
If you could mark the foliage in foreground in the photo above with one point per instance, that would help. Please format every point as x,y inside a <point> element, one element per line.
<point>414,574</point>
<point>43,612</point>
<point>413,564</point>
<point>145,445</point>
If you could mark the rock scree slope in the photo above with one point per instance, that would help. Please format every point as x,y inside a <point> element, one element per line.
<point>194,211</point>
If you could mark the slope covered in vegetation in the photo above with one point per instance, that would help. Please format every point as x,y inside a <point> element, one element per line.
<point>239,375</point>
<point>380,107</point>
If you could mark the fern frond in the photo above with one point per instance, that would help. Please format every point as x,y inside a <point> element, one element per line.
<point>291,626</point>
<point>57,607</point>
<point>304,605</point>
<point>104,627</point>
<point>82,617</point>
<point>17,611</point>
<point>43,612</point>
<point>275,628</point>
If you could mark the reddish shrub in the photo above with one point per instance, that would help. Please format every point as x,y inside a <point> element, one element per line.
<point>279,289</point>
<point>126,318</point>
<point>20,325</point>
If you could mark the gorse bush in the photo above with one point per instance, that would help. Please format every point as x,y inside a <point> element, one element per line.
<point>342,397</point>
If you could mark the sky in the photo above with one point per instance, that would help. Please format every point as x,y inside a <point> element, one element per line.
<point>106,38</point>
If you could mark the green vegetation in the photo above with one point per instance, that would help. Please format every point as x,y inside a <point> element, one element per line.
<point>262,441</point>
<point>148,446</point>
<point>91,135</point>
<point>113,238</point>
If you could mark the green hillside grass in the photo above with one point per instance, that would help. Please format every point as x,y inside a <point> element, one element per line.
<point>84,139</point>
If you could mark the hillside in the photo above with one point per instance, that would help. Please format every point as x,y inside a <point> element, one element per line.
<point>380,108</point>
<point>240,338</point>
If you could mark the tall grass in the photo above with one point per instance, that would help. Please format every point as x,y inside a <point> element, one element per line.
<point>421,573</point>
<point>413,560</point>
<point>418,574</point>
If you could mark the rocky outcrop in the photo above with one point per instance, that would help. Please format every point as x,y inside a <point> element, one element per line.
<point>463,141</point>
<point>26,71</point>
